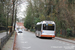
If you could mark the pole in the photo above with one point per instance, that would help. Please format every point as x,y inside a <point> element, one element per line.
<point>15,16</point>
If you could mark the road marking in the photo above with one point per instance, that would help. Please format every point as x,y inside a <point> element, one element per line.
<point>68,44</point>
<point>24,42</point>
<point>62,42</point>
<point>65,41</point>
<point>27,47</point>
<point>69,47</point>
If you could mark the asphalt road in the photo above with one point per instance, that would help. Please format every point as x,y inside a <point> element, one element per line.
<point>2,34</point>
<point>28,41</point>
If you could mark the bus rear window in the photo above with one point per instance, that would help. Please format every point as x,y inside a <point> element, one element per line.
<point>48,27</point>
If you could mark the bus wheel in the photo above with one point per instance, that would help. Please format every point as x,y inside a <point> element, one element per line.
<point>39,36</point>
<point>50,38</point>
<point>36,35</point>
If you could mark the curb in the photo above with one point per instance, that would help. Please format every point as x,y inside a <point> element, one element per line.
<point>66,40</point>
<point>14,41</point>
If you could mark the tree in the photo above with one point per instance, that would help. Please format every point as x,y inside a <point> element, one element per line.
<point>62,12</point>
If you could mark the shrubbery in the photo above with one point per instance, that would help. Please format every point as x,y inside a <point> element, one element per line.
<point>69,32</point>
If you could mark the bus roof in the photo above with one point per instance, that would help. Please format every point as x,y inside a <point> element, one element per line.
<point>46,22</point>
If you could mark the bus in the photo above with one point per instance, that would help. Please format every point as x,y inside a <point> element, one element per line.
<point>45,29</point>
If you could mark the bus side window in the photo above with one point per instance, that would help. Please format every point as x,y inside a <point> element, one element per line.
<point>39,27</point>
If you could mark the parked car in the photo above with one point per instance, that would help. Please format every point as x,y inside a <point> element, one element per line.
<point>19,31</point>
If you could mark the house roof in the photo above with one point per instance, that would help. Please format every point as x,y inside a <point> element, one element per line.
<point>20,24</point>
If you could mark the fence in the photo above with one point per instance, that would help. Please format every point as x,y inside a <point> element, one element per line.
<point>4,40</point>
<point>2,28</point>
<point>66,33</point>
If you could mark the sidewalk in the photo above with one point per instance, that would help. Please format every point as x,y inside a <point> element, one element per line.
<point>9,44</point>
<point>67,40</point>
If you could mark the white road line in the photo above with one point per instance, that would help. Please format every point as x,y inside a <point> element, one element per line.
<point>27,47</point>
<point>60,41</point>
<point>24,42</point>
<point>69,47</point>
<point>68,44</point>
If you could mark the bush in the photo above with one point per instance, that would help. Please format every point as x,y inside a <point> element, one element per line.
<point>69,32</point>
<point>58,34</point>
<point>33,30</point>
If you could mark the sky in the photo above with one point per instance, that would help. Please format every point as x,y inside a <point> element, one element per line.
<point>22,9</point>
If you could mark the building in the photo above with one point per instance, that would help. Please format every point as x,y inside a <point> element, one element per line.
<point>20,25</point>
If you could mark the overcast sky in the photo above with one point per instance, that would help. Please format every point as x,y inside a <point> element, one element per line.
<point>21,9</point>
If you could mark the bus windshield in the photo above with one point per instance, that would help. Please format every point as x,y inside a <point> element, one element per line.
<point>48,27</point>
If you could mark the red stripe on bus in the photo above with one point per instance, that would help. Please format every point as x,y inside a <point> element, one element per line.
<point>48,36</point>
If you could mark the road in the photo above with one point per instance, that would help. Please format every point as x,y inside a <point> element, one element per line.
<point>28,41</point>
<point>2,34</point>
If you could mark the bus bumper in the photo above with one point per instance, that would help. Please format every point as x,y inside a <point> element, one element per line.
<point>48,36</point>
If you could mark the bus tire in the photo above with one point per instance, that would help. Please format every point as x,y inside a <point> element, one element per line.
<point>50,38</point>
<point>39,36</point>
<point>36,35</point>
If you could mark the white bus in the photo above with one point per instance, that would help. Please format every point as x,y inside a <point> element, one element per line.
<point>45,29</point>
